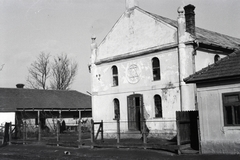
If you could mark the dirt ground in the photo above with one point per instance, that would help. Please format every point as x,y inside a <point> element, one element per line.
<point>46,152</point>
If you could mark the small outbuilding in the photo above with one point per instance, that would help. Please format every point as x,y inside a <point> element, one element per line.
<point>218,97</point>
<point>44,106</point>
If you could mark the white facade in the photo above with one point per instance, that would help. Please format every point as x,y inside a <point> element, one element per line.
<point>133,43</point>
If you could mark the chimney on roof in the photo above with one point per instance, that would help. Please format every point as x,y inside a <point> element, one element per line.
<point>20,85</point>
<point>130,4</point>
<point>190,19</point>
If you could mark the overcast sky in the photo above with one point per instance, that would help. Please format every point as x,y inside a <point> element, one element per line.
<point>29,27</point>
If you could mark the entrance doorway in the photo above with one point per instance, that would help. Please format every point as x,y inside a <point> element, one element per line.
<point>135,105</point>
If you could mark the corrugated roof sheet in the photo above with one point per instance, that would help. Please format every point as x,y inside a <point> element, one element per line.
<point>227,67</point>
<point>204,36</point>
<point>13,98</point>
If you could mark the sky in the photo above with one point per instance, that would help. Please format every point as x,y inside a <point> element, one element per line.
<point>29,27</point>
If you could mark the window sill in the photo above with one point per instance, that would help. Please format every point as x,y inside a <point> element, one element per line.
<point>157,117</point>
<point>230,128</point>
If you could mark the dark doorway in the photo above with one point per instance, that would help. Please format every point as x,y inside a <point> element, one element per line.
<point>135,103</point>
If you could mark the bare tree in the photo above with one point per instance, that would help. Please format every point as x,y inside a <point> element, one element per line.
<point>63,72</point>
<point>57,74</point>
<point>39,72</point>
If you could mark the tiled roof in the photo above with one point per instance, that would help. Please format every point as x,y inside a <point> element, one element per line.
<point>13,98</point>
<point>205,36</point>
<point>226,68</point>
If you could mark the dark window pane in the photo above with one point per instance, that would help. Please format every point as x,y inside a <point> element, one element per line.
<point>115,75</point>
<point>229,116</point>
<point>115,80</point>
<point>156,74</point>
<point>237,114</point>
<point>155,63</point>
<point>114,70</point>
<point>216,58</point>
<point>156,69</point>
<point>158,106</point>
<point>231,98</point>
<point>116,109</point>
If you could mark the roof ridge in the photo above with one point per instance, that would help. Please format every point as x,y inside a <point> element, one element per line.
<point>233,40</point>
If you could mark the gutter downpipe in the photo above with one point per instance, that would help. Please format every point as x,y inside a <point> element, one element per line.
<point>181,30</point>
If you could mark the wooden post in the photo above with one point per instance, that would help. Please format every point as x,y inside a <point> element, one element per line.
<point>79,131</point>
<point>6,133</point>
<point>10,133</point>
<point>39,127</point>
<point>144,132</point>
<point>118,130</point>
<point>24,131</point>
<point>92,131</point>
<point>102,130</point>
<point>178,135</point>
<point>58,132</point>
<point>199,136</point>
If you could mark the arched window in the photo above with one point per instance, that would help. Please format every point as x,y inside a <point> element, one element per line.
<point>116,109</point>
<point>158,106</point>
<point>216,58</point>
<point>156,69</point>
<point>115,75</point>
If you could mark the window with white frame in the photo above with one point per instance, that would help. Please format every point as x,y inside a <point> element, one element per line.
<point>231,108</point>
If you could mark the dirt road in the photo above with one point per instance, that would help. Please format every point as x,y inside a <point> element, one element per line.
<point>37,152</point>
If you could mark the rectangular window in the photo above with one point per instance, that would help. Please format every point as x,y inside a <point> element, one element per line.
<point>231,109</point>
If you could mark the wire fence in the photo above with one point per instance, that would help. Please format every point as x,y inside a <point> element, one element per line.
<point>138,130</point>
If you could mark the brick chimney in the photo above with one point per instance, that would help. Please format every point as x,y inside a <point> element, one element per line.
<point>190,19</point>
<point>20,85</point>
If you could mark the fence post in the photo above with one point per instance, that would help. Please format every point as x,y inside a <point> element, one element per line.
<point>24,130</point>
<point>178,133</point>
<point>144,132</point>
<point>58,131</point>
<point>118,130</point>
<point>10,133</point>
<point>39,127</point>
<point>79,133</point>
<point>6,133</point>
<point>92,131</point>
<point>102,130</point>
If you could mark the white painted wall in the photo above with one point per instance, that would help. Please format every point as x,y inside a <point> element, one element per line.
<point>215,137</point>
<point>203,59</point>
<point>167,88</point>
<point>134,32</point>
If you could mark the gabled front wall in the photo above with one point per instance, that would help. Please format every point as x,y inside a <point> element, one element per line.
<point>135,31</point>
<point>168,88</point>
<point>215,137</point>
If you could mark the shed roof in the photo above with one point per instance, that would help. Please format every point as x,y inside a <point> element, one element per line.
<point>12,99</point>
<point>224,69</point>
